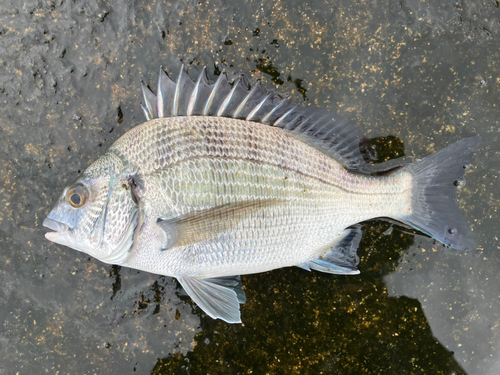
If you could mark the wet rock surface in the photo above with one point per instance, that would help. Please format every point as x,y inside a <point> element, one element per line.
<point>422,74</point>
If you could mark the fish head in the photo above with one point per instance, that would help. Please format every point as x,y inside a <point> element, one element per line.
<point>96,215</point>
<point>77,217</point>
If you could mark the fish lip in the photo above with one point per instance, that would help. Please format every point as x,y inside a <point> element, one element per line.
<point>55,225</point>
<point>58,228</point>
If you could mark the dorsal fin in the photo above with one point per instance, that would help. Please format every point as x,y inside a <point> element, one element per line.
<point>166,92</point>
<point>320,128</point>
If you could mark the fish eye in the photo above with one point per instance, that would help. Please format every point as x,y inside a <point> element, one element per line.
<point>77,196</point>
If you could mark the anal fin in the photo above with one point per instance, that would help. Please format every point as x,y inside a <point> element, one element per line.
<point>219,297</point>
<point>343,258</point>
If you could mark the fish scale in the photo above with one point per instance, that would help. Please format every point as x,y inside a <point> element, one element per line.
<point>226,180</point>
<point>319,198</point>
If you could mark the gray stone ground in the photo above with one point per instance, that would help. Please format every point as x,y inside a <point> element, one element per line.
<point>425,72</point>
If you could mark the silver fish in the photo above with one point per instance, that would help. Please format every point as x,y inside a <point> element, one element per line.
<point>228,179</point>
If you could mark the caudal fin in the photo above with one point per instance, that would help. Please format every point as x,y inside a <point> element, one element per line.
<point>434,209</point>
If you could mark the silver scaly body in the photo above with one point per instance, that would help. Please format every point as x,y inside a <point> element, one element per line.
<point>205,162</point>
<point>228,179</point>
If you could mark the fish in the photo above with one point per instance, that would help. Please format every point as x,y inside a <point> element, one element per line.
<point>228,178</point>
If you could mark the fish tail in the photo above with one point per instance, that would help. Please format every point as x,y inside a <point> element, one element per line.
<point>434,210</point>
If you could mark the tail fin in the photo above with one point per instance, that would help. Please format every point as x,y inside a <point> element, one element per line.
<point>434,209</point>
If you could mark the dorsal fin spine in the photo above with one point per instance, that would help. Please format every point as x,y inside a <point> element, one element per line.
<point>283,116</point>
<point>175,108</point>
<point>294,124</point>
<point>166,89</point>
<point>244,101</point>
<point>223,105</point>
<point>257,107</point>
<point>146,113</point>
<point>212,95</point>
<point>160,95</point>
<point>194,95</point>
<point>266,117</point>
<point>148,96</point>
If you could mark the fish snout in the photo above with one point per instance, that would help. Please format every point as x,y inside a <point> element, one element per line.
<point>58,228</point>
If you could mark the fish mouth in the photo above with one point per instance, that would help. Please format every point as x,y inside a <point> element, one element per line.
<point>58,228</point>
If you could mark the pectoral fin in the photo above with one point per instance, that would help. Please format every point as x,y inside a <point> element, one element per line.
<point>220,297</point>
<point>206,224</point>
<point>343,258</point>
